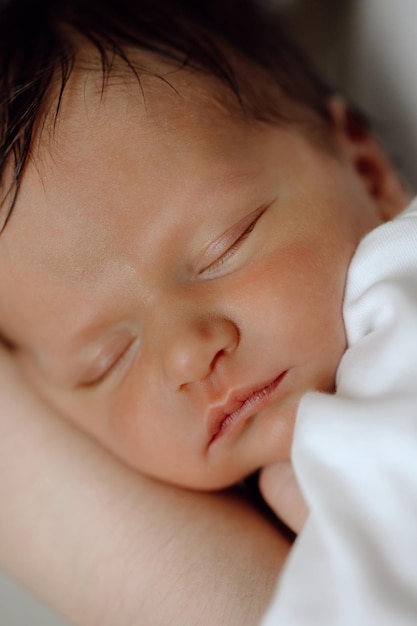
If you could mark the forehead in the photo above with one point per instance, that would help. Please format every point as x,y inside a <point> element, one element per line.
<point>163,122</point>
<point>106,159</point>
<point>111,156</point>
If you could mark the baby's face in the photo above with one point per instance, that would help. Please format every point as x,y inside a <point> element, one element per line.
<point>174,279</point>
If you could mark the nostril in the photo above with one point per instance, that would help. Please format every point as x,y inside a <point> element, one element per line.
<point>217,357</point>
<point>193,351</point>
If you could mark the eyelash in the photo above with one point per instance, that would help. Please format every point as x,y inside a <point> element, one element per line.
<point>235,245</point>
<point>112,369</point>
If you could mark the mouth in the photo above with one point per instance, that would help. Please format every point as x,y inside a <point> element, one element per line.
<point>241,407</point>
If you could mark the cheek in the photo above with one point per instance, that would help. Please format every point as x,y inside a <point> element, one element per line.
<point>141,429</point>
<point>295,297</point>
<point>301,280</point>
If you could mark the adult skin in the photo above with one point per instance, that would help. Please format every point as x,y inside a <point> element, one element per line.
<point>103,545</point>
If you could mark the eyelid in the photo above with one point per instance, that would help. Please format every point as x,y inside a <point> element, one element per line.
<point>108,364</point>
<point>228,243</point>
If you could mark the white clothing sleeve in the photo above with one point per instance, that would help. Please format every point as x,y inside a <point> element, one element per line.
<point>355,455</point>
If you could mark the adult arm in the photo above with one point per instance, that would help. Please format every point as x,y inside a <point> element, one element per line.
<point>106,546</point>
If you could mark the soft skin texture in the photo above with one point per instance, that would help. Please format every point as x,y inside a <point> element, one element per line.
<point>165,262</point>
<point>105,545</point>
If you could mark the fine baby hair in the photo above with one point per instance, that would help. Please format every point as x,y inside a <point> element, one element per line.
<point>238,42</point>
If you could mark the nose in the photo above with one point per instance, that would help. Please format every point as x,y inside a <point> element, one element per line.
<point>195,348</point>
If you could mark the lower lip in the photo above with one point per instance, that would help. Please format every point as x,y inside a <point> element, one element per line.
<point>255,403</point>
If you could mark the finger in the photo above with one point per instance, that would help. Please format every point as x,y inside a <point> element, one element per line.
<point>280,490</point>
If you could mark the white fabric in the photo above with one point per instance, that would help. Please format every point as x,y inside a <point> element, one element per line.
<point>355,455</point>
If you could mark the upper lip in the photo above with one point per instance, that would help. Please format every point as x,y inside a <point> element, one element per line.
<point>237,401</point>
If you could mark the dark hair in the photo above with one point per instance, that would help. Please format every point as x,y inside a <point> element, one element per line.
<point>38,44</point>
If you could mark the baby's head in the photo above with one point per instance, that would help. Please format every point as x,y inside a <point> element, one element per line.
<point>182,199</point>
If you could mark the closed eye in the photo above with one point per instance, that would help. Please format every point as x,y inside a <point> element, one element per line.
<point>108,365</point>
<point>237,237</point>
<point>230,251</point>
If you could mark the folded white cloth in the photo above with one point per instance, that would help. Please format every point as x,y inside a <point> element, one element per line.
<point>355,455</point>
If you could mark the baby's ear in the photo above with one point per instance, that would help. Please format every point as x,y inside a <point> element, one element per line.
<point>358,144</point>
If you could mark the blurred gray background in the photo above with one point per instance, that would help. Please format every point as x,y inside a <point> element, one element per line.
<point>368,49</point>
